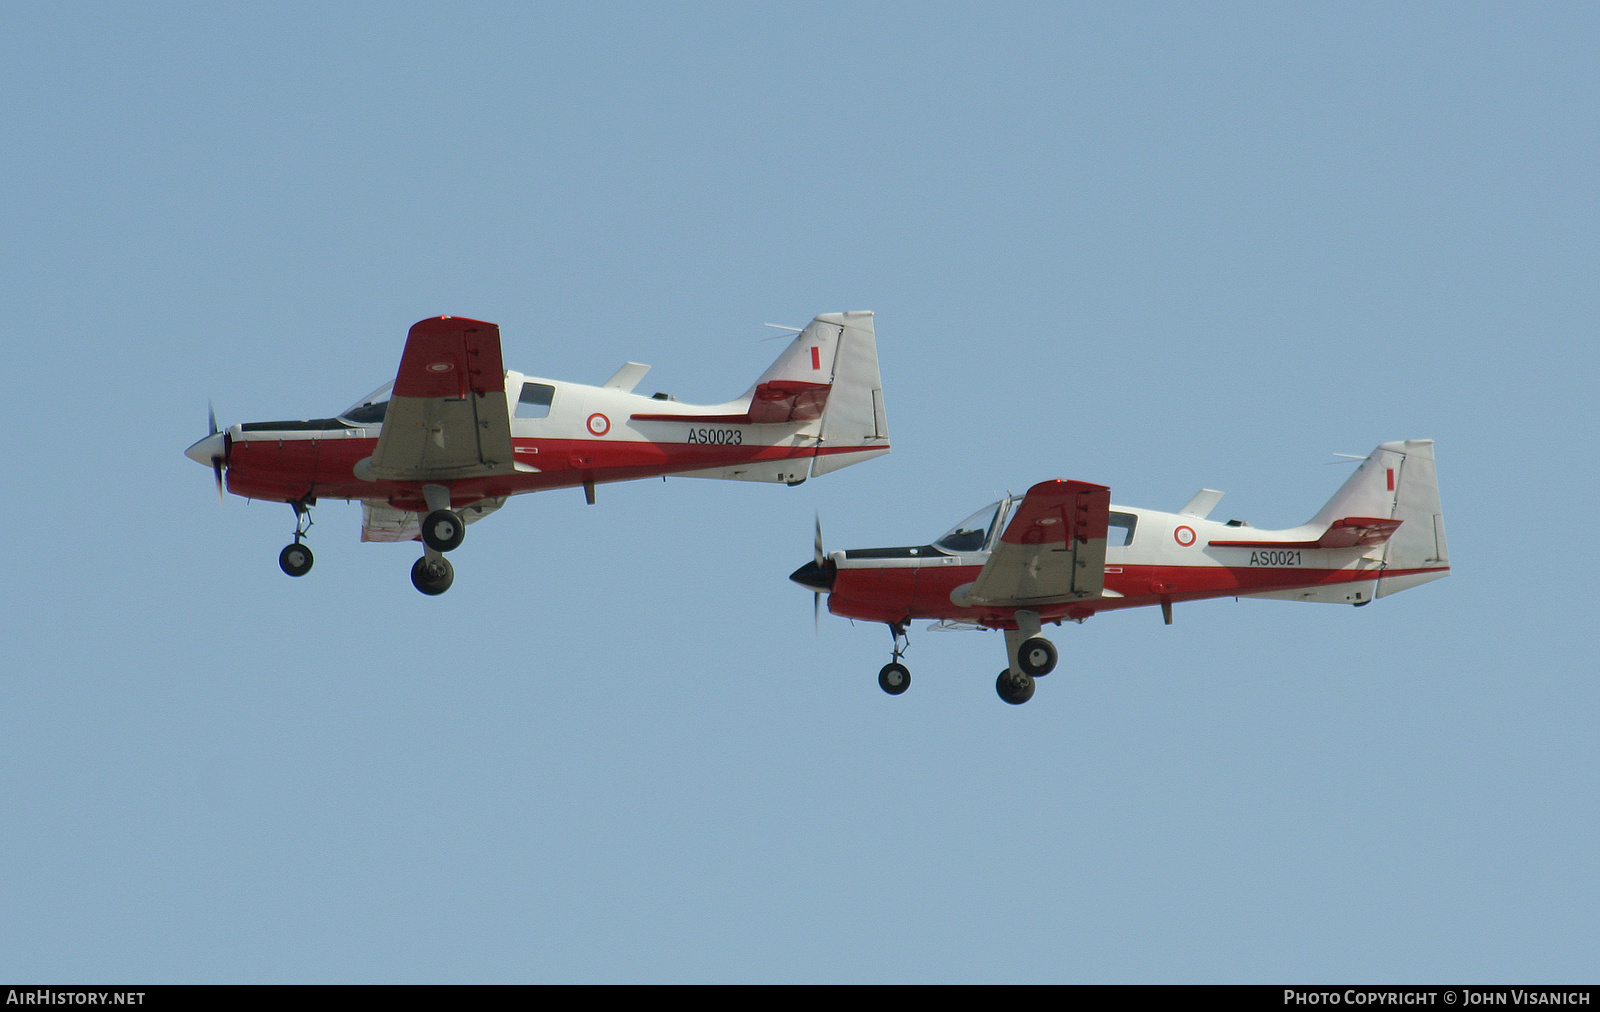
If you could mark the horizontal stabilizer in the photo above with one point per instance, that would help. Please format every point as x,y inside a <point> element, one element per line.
<point>1349,532</point>
<point>772,403</point>
<point>1202,504</point>
<point>627,377</point>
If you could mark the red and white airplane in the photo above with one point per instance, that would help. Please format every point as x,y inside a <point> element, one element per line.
<point>1062,551</point>
<point>456,433</point>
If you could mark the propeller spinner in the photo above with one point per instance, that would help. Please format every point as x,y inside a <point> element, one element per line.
<point>213,449</point>
<point>817,574</point>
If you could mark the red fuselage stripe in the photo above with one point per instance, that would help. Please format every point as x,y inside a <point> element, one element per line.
<point>899,594</point>
<point>302,465</point>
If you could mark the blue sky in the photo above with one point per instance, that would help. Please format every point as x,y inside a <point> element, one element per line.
<point>1154,246</point>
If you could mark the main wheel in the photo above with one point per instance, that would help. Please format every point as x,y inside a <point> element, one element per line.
<point>432,576</point>
<point>296,559</point>
<point>1014,689</point>
<point>443,530</point>
<point>894,679</point>
<point>1036,656</point>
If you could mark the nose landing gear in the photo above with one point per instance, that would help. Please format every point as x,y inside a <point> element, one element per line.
<point>296,559</point>
<point>894,677</point>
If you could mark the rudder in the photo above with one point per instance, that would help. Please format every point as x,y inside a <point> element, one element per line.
<point>854,425</point>
<point>1397,481</point>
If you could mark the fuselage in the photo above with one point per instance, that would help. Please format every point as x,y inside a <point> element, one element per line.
<point>1151,558</point>
<point>564,435</point>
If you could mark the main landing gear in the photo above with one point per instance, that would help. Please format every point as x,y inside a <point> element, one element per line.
<point>894,677</point>
<point>1032,656</point>
<point>443,530</point>
<point>296,559</point>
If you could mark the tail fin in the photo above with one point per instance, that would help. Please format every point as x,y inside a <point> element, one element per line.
<point>854,426</point>
<point>1397,481</point>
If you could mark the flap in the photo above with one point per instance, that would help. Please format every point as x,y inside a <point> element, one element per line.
<point>382,522</point>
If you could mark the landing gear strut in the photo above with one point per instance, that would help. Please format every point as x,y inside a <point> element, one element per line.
<point>296,559</point>
<point>895,678</point>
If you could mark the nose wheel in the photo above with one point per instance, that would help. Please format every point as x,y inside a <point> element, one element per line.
<point>894,677</point>
<point>296,559</point>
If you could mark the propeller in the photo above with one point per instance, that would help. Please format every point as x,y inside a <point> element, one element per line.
<point>217,460</point>
<point>816,575</point>
<point>817,557</point>
<point>213,449</point>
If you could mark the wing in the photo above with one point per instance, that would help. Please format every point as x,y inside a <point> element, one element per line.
<point>1053,550</point>
<point>447,417</point>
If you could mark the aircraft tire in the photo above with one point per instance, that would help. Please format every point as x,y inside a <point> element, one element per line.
<point>443,530</point>
<point>1014,689</point>
<point>432,576</point>
<point>1036,656</point>
<point>296,559</point>
<point>894,678</point>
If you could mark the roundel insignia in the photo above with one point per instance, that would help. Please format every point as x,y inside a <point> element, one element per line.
<point>441,366</point>
<point>1184,536</point>
<point>599,424</point>
<point>1047,521</point>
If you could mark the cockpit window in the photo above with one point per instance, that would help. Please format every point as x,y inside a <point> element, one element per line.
<point>370,409</point>
<point>368,414</point>
<point>534,401</point>
<point>972,533</point>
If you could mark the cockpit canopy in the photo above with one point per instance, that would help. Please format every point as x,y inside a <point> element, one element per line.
<point>974,533</point>
<point>370,409</point>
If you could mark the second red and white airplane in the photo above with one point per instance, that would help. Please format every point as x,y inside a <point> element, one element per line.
<point>456,434</point>
<point>1062,551</point>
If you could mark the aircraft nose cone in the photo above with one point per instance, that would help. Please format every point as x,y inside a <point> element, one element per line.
<point>814,577</point>
<point>203,450</point>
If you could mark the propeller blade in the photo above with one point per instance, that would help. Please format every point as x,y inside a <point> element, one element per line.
<point>817,555</point>
<point>220,460</point>
<point>816,612</point>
